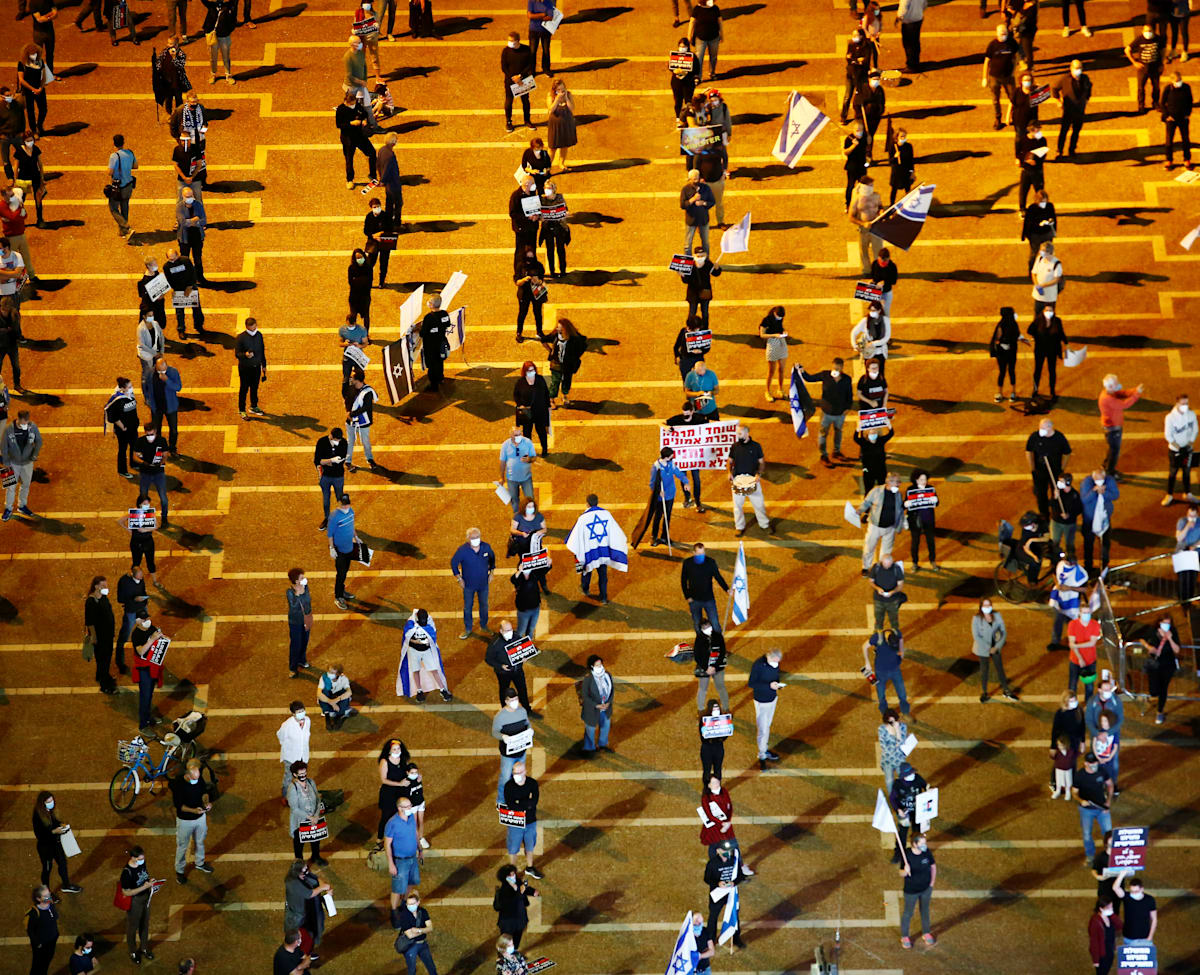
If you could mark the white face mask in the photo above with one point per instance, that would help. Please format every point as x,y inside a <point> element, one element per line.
<point>475,542</point>
<point>1147,34</point>
<point>377,210</point>
<point>911,777</point>
<point>1002,36</point>
<point>29,144</point>
<point>1085,617</point>
<point>512,879</point>
<point>519,779</point>
<point>699,259</point>
<point>1062,485</point>
<point>145,624</point>
<point>1076,72</point>
<point>834,373</point>
<point>1045,431</point>
<point>903,139</point>
<point>874,83</point>
<point>514,44</point>
<point>360,260</point>
<point>598,669</point>
<point>986,607</point>
<point>104,590</point>
<point>1106,910</point>
<point>873,373</point>
<point>1137,896</point>
<point>893,488</point>
<point>506,633</point>
<point>1105,695</point>
<point>299,716</point>
<point>395,754</point>
<point>194,776</point>
<point>874,314</point>
<point>509,949</point>
<point>706,630</point>
<point>304,583</point>
<point>1072,704</point>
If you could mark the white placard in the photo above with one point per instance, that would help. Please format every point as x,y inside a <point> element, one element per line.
<point>520,175</point>
<point>181,299</point>
<point>357,356</point>
<point>926,807</point>
<point>70,845</point>
<point>330,906</point>
<point>551,25</point>
<point>700,446</point>
<point>1072,357</point>
<point>502,493</point>
<point>518,743</point>
<point>1186,561</point>
<point>908,745</point>
<point>531,205</point>
<point>157,286</point>
<point>457,280</point>
<point>1040,151</point>
<point>850,513</point>
<point>522,87</point>
<point>410,311</point>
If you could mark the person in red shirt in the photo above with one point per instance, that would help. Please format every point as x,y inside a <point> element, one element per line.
<point>1103,928</point>
<point>146,674</point>
<point>1114,401</point>
<point>1083,635</point>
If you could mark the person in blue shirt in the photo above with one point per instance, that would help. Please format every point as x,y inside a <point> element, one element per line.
<point>403,851</point>
<point>539,12</point>
<point>342,537</point>
<point>1097,486</point>
<point>663,475</point>
<point>473,564</point>
<point>516,466</point>
<point>889,652</point>
<point>700,387</point>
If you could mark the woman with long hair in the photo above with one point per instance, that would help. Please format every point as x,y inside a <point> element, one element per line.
<point>532,397</point>
<point>393,778</point>
<point>48,833</point>
<point>566,346</point>
<point>560,124</point>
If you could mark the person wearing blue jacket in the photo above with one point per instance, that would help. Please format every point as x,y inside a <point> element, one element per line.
<point>161,391</point>
<point>663,475</point>
<point>1097,486</point>
<point>342,537</point>
<point>473,564</point>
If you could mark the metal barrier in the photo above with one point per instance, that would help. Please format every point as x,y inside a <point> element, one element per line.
<point>1132,598</point>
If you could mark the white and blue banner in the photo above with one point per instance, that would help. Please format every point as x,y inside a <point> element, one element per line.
<point>686,955</point>
<point>802,122</point>
<point>598,540</point>
<point>740,588</point>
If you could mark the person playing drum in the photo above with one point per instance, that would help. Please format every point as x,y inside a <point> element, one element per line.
<point>746,466</point>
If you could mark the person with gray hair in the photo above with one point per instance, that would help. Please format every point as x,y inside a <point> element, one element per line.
<point>473,564</point>
<point>695,200</point>
<point>435,343</point>
<point>765,683</point>
<point>1047,275</point>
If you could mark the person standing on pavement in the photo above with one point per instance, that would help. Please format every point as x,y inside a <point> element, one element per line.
<point>858,57</point>
<point>1097,494</point>
<point>885,274</point>
<point>1083,634</point>
<point>885,510</point>
<point>910,15</point>
<point>191,223</point>
<point>435,344</point>
<point>706,30</point>
<point>521,794</point>
<point>999,67</point>
<point>887,580</point>
<point>145,673</point>
<point>1038,224</point>
<point>192,806</point>
<point>99,629</point>
<point>402,847</point>
<point>516,64</point>
<point>12,125</point>
<point>920,874</point>
<point>1145,53</point>
<point>511,902</point>
<point>1072,91</point>
<point>531,395</point>
<point>837,396</point>
<point>137,885</point>
<point>517,455</point>
<point>181,276</point>
<point>360,417</point>
<point>872,454</point>
<point>695,200</point>
<point>342,541</point>
<point>352,119</point>
<point>746,459</point>
<point>510,722</point>
<point>389,178</point>
<point>507,673</point>
<point>300,620</point>
<point>723,871</point>
<point>472,564</point>
<point>1176,102</point>
<point>870,104</point>
<point>121,165</point>
<point>221,22</point>
<point>1180,430</point>
<point>888,645</point>
<point>149,457</point>
<point>663,475</point>
<point>1092,789</point>
<point>1113,403</point>
<point>865,206</point>
<point>696,577</point>
<point>988,636</point>
<point>41,925</point>
<point>150,339</point>
<point>329,458</point>
<point>708,652</point>
<point>596,696</point>
<point>48,832</point>
<point>306,809</point>
<point>892,734</point>
<point>1140,909</point>
<point>764,682</point>
<point>20,449</point>
<point>1049,339</point>
<point>161,393</point>
<point>251,353</point>
<point>1046,450</point>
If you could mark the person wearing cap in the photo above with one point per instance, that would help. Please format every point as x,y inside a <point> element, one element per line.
<point>719,117</point>
<point>722,872</point>
<point>473,563</point>
<point>342,539</point>
<point>870,104</point>
<point>713,165</point>
<point>663,475</point>
<point>1072,92</point>
<point>908,785</point>
<point>865,206</point>
<point>421,668</point>
<point>1092,789</point>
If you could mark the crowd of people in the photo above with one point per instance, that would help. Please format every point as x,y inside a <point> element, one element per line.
<point>1086,735</point>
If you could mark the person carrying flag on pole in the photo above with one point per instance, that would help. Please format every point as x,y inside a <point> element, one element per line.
<point>739,593</point>
<point>693,947</point>
<point>723,874</point>
<point>663,475</point>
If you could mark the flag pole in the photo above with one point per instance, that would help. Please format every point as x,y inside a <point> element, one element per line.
<point>666,523</point>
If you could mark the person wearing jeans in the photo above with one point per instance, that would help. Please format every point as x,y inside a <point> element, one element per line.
<point>765,683</point>
<point>1113,402</point>
<point>329,458</point>
<point>696,577</point>
<point>528,599</point>
<point>1092,788</point>
<point>920,874</point>
<point>19,450</point>
<point>299,618</point>
<point>121,164</point>
<point>597,693</point>
<point>511,720</point>
<point>889,653</point>
<point>342,537</point>
<point>473,564</point>
<point>706,31</point>
<point>517,455</point>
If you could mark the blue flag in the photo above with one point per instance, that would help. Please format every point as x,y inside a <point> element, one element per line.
<point>800,402</point>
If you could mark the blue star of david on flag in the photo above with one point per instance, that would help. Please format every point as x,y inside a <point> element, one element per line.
<point>597,529</point>
<point>740,588</point>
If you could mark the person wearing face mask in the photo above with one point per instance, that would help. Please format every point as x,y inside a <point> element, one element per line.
<point>1067,724</point>
<point>415,924</point>
<point>903,175</point>
<point>304,800</point>
<point>293,736</point>
<point>988,636</point>
<point>885,510</point>
<point>1083,635</point>
<point>160,390</point>
<point>30,179</point>
<point>334,696</point>
<point>719,118</point>
<point>100,628</point>
<point>1072,91</point>
<point>1103,928</point>
<point>379,230</point>
<point>854,156</point>
<point>540,11</point>
<point>532,398</point>
<point>221,21</point>
<point>1070,585</point>
<point>837,396</point>
<point>723,872</point>
<point>30,76</point>
<point>908,785</point>
<point>873,332</point>
<point>1180,430</point>
<point>529,279</point>
<point>329,458</point>
<point>765,685</point>
<point>561,132</point>
<point>189,161</point>
<point>136,885</point>
<point>353,122</point>
<point>1064,515</point>
<point>684,78</point>
<point>1105,701</point>
<point>509,961</point>
<point>709,654</point>
<point>516,64</point>
<point>527,584</point>
<point>48,832</point>
<point>1050,340</point>
<point>511,721</point>
<point>535,162</point>
<point>145,673</point>
<point>1031,158</point>
<point>421,669</point>
<point>304,909</point>
<point>10,347</point>
<point>746,458</point>
<point>435,343</point>
<point>712,750</point>
<point>360,417</point>
<point>698,282</point>
<point>1097,494</point>
<point>910,15</point>
<point>706,30</point>
<point>521,794</point>
<point>150,344</point>
<point>12,125</point>
<point>358,280</point>
<point>300,619</point>
<point>1176,102</point>
<point>1162,656</point>
<point>1187,538</point>
<point>663,475</point>
<point>920,874</point>
<point>192,806</point>
<point>1039,224</point>
<point>596,697</point>
<point>41,926</point>
<point>1006,337</point>
<point>181,276</point>
<point>1141,909</point>
<point>695,200</point>
<point>191,222</point>
<point>12,227</point>
<point>870,105</point>
<point>393,771</point>
<point>999,66</point>
<point>472,564</point>
<point>524,225</point>
<point>511,903</point>
<point>389,178</point>
<point>696,577</point>
<point>872,454</point>
<point>82,960</point>
<point>19,450</point>
<point>892,734</point>
<point>1113,403</point>
<point>554,234</point>
<point>887,582</point>
<point>858,58</point>
<point>366,29</point>
<point>1092,789</point>
<point>1145,52</point>
<point>131,594</point>
<point>771,330</point>
<point>517,455</point>
<point>507,673</point>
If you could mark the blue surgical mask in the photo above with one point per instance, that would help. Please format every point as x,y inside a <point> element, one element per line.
<point>1085,617</point>
<point>699,557</point>
<point>696,929</point>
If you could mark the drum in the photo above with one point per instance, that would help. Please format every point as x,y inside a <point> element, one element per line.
<point>744,484</point>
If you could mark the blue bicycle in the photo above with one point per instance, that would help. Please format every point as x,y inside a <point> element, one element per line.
<point>138,771</point>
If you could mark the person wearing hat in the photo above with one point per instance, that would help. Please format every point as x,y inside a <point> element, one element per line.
<point>1092,788</point>
<point>870,104</point>
<point>342,539</point>
<point>718,117</point>
<point>722,872</point>
<point>663,475</point>
<point>905,789</point>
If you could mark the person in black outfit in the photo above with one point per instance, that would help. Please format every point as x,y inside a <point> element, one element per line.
<point>907,785</point>
<point>251,353</point>
<point>531,291</point>
<point>722,870</point>
<point>1039,225</point>
<point>870,104</point>
<point>688,416</point>
<point>289,957</point>
<point>1022,112</point>
<point>358,277</point>
<point>1003,348</point>
<point>696,577</point>
<point>41,924</point>
<point>837,396</point>
<point>1049,342</point>
<point>352,122</point>
<point>1072,92</point>
<point>872,448</point>
<point>1064,515</point>
<point>1046,446</point>
<point>435,329</point>
<point>536,162</point>
<point>872,387</point>
<point>524,227</point>
<point>698,280</point>
<point>532,397</point>
<point>921,520</point>
<point>684,80</point>
<point>1032,164</point>
<point>516,64</point>
<point>554,234</point>
<point>122,412</point>
<point>1146,54</point>
<point>378,223</point>
<point>101,626</point>
<point>1176,103</point>
<point>507,674</point>
<point>854,151</point>
<point>684,358</point>
<point>858,56</point>
<point>511,902</point>
<point>48,831</point>
<point>1162,660</point>
<point>904,167</point>
<point>158,306</point>
<point>527,595</point>
<point>181,276</point>
<point>712,750</point>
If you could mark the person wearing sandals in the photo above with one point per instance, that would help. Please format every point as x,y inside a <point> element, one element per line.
<point>988,635</point>
<point>771,330</point>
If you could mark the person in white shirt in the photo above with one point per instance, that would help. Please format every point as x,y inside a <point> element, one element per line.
<point>12,271</point>
<point>1047,275</point>
<point>1179,427</point>
<point>293,737</point>
<point>872,334</point>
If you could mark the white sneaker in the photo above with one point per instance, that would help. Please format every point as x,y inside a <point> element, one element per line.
<point>424,843</point>
<point>1085,31</point>
<point>1066,32</point>
<point>1183,56</point>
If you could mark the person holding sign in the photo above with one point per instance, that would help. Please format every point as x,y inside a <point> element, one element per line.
<point>722,873</point>
<point>920,501</point>
<point>507,672</point>
<point>181,276</point>
<point>903,797</point>
<point>511,728</point>
<point>920,874</point>
<point>307,814</point>
<point>684,69</point>
<point>521,795</point>
<point>146,673</point>
<point>698,279</point>
<point>528,596</point>
<point>540,11</point>
<point>1092,789</point>
<point>511,902</point>
<point>712,750</point>
<point>555,233</point>
<point>872,453</point>
<point>48,835</point>
<point>516,64</point>
<point>531,290</point>
<point>100,627</point>
<point>709,654</point>
<point>1140,908</point>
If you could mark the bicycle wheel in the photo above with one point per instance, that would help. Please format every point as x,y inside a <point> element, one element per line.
<point>1010,582</point>
<point>187,751</point>
<point>123,789</point>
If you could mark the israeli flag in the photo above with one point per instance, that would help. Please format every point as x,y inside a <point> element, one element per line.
<point>729,919</point>
<point>802,122</point>
<point>741,588</point>
<point>686,955</point>
<point>799,399</point>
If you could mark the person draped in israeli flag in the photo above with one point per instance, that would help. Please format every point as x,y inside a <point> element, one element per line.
<point>420,667</point>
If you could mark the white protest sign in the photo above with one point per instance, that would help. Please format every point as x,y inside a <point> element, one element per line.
<point>908,745</point>
<point>156,287</point>
<point>1073,357</point>
<point>850,513</point>
<point>410,311</point>
<point>926,807</point>
<point>702,446</point>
